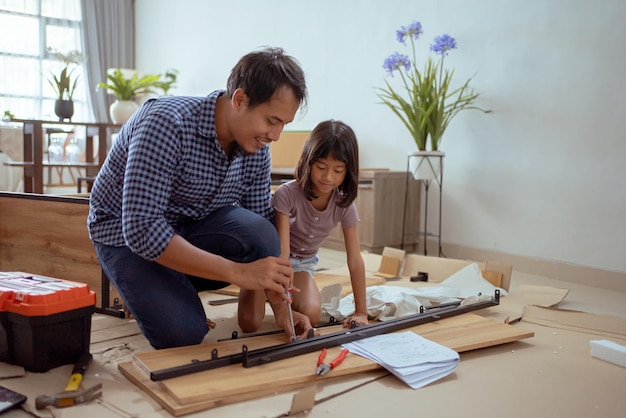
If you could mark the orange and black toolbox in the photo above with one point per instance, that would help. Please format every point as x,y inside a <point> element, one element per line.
<point>46,322</point>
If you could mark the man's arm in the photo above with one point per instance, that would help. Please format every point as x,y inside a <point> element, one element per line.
<point>270,273</point>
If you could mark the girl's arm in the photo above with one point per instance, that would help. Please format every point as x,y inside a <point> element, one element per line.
<point>357,276</point>
<point>282,226</point>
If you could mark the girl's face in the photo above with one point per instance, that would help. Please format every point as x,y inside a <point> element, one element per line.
<point>327,174</point>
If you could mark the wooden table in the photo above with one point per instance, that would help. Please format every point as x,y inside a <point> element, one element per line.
<point>34,163</point>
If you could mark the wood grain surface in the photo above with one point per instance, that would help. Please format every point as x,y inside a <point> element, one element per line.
<point>49,237</point>
<point>235,383</point>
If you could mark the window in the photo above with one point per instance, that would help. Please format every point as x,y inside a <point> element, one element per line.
<point>30,29</point>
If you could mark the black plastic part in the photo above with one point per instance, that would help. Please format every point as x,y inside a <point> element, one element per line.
<point>41,343</point>
<point>422,276</point>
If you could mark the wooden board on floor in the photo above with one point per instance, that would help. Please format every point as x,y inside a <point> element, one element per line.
<point>322,280</point>
<point>205,390</point>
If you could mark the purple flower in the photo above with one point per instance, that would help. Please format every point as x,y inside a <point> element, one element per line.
<point>442,44</point>
<point>414,30</point>
<point>395,61</point>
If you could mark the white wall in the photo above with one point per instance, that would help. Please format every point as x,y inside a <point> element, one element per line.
<point>542,176</point>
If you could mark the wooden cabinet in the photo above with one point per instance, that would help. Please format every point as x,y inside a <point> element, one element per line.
<point>47,235</point>
<point>380,203</point>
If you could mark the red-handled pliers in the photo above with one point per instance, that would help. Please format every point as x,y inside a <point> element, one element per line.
<point>323,368</point>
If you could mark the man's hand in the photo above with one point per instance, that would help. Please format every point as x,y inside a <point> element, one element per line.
<point>272,274</point>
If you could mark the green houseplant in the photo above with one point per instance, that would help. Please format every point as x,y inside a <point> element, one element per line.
<point>62,84</point>
<point>127,88</point>
<point>168,81</point>
<point>7,116</point>
<point>429,101</point>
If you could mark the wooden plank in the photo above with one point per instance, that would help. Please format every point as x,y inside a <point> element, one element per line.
<point>137,376</point>
<point>493,277</point>
<point>49,238</point>
<point>212,387</point>
<point>48,235</point>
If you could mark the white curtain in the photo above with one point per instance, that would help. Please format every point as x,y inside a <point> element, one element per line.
<point>109,36</point>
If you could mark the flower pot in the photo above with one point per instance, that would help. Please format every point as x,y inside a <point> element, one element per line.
<point>64,109</point>
<point>426,165</point>
<point>122,110</point>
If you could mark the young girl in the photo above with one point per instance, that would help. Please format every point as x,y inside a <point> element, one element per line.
<point>307,209</point>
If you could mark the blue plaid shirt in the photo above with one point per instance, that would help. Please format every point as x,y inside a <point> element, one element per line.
<point>167,167</point>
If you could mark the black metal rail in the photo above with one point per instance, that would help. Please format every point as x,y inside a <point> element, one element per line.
<point>295,348</point>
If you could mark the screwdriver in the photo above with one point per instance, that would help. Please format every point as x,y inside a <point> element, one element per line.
<point>293,327</point>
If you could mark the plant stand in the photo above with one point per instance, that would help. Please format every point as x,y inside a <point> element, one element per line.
<point>426,166</point>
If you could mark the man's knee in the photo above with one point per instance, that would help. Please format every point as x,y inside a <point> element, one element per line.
<point>269,236</point>
<point>235,233</point>
<point>180,336</point>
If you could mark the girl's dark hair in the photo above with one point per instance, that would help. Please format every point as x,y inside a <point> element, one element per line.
<point>261,73</point>
<point>337,140</point>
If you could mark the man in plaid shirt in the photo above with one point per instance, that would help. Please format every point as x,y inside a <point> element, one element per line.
<point>181,203</point>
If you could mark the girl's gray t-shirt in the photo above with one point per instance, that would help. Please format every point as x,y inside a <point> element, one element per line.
<point>309,227</point>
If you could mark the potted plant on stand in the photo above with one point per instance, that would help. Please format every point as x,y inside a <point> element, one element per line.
<point>430,102</point>
<point>63,85</point>
<point>126,88</point>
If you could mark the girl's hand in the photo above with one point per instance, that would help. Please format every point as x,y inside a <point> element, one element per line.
<point>301,322</point>
<point>359,319</point>
<point>303,325</point>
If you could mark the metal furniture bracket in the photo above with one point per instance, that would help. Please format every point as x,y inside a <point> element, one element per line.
<point>295,348</point>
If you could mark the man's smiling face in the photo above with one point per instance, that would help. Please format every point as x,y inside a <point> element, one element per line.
<point>256,127</point>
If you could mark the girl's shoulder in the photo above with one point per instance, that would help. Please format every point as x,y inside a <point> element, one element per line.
<point>289,191</point>
<point>288,187</point>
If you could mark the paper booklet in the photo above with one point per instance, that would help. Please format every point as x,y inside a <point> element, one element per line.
<point>410,357</point>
